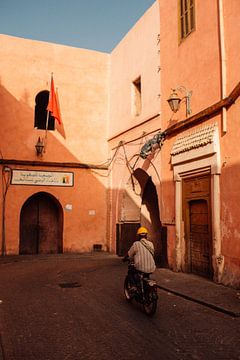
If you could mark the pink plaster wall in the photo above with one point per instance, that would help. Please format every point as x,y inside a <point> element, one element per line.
<point>230,210</point>
<point>126,160</point>
<point>136,55</point>
<point>195,63</point>
<point>80,229</point>
<point>232,30</point>
<point>82,79</point>
<point>95,98</point>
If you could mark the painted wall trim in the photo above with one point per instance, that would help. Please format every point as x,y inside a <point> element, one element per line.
<point>52,164</point>
<point>134,127</point>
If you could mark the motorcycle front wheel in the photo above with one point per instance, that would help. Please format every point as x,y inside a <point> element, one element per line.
<point>150,303</point>
<point>127,292</point>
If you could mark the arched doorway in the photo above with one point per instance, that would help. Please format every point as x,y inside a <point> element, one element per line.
<point>147,214</point>
<point>41,224</point>
<point>150,201</point>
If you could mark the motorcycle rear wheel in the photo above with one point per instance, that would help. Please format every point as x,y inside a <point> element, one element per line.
<point>150,304</point>
<point>127,292</point>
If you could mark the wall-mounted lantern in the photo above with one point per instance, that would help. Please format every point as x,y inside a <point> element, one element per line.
<point>174,99</point>
<point>39,147</point>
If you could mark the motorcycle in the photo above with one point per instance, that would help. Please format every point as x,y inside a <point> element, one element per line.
<point>139,287</point>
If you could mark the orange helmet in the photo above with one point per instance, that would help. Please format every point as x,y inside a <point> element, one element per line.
<point>142,230</point>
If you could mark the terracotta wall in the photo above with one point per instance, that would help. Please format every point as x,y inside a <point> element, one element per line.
<point>196,64</point>
<point>230,209</point>
<point>81,227</point>
<point>95,93</point>
<point>82,79</point>
<point>137,55</point>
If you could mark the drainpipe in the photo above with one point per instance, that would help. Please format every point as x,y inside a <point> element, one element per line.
<point>223,63</point>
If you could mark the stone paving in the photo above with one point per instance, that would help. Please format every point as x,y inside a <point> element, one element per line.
<point>72,307</point>
<point>203,291</point>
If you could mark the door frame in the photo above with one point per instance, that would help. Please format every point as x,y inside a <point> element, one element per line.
<point>190,161</point>
<point>180,247</point>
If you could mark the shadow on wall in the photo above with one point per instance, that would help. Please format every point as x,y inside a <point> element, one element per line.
<point>150,200</point>
<point>18,139</point>
<point>17,128</point>
<point>166,247</point>
<point>149,217</point>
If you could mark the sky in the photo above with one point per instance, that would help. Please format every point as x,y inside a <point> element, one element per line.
<point>92,24</point>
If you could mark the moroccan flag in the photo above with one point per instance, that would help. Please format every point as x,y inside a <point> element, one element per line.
<point>53,105</point>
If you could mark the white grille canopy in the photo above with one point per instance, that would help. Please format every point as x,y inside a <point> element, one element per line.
<point>195,139</point>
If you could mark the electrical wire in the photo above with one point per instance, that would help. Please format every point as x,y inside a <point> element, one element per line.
<point>120,159</point>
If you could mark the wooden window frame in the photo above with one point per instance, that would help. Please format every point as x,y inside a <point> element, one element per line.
<point>186,18</point>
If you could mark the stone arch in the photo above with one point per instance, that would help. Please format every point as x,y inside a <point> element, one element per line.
<point>150,214</point>
<point>137,203</point>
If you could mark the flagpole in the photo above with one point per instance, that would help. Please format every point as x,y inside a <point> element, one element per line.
<point>45,138</point>
<point>48,116</point>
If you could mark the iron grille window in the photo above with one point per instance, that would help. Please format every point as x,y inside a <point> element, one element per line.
<point>186,17</point>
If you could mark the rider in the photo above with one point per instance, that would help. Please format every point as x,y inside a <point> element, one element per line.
<point>142,252</point>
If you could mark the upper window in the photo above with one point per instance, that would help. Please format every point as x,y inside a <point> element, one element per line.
<point>43,119</point>
<point>186,18</point>
<point>137,97</point>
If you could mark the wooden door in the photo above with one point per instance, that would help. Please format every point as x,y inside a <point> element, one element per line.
<point>200,251</point>
<point>40,226</point>
<point>126,235</point>
<point>29,234</point>
<point>197,225</point>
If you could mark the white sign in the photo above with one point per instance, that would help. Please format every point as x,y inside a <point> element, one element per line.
<point>45,178</point>
<point>68,207</point>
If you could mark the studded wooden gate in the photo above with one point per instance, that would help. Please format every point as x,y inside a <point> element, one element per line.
<point>41,225</point>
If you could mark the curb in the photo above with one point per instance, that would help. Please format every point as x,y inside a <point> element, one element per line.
<point>201,302</point>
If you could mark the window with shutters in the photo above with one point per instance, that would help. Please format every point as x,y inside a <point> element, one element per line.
<point>186,18</point>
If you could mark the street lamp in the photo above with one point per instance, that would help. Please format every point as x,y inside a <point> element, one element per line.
<point>174,99</point>
<point>39,147</point>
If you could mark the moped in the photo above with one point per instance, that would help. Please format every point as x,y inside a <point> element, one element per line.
<point>139,287</point>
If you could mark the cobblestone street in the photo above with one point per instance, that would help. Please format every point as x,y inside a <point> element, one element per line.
<point>72,307</point>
